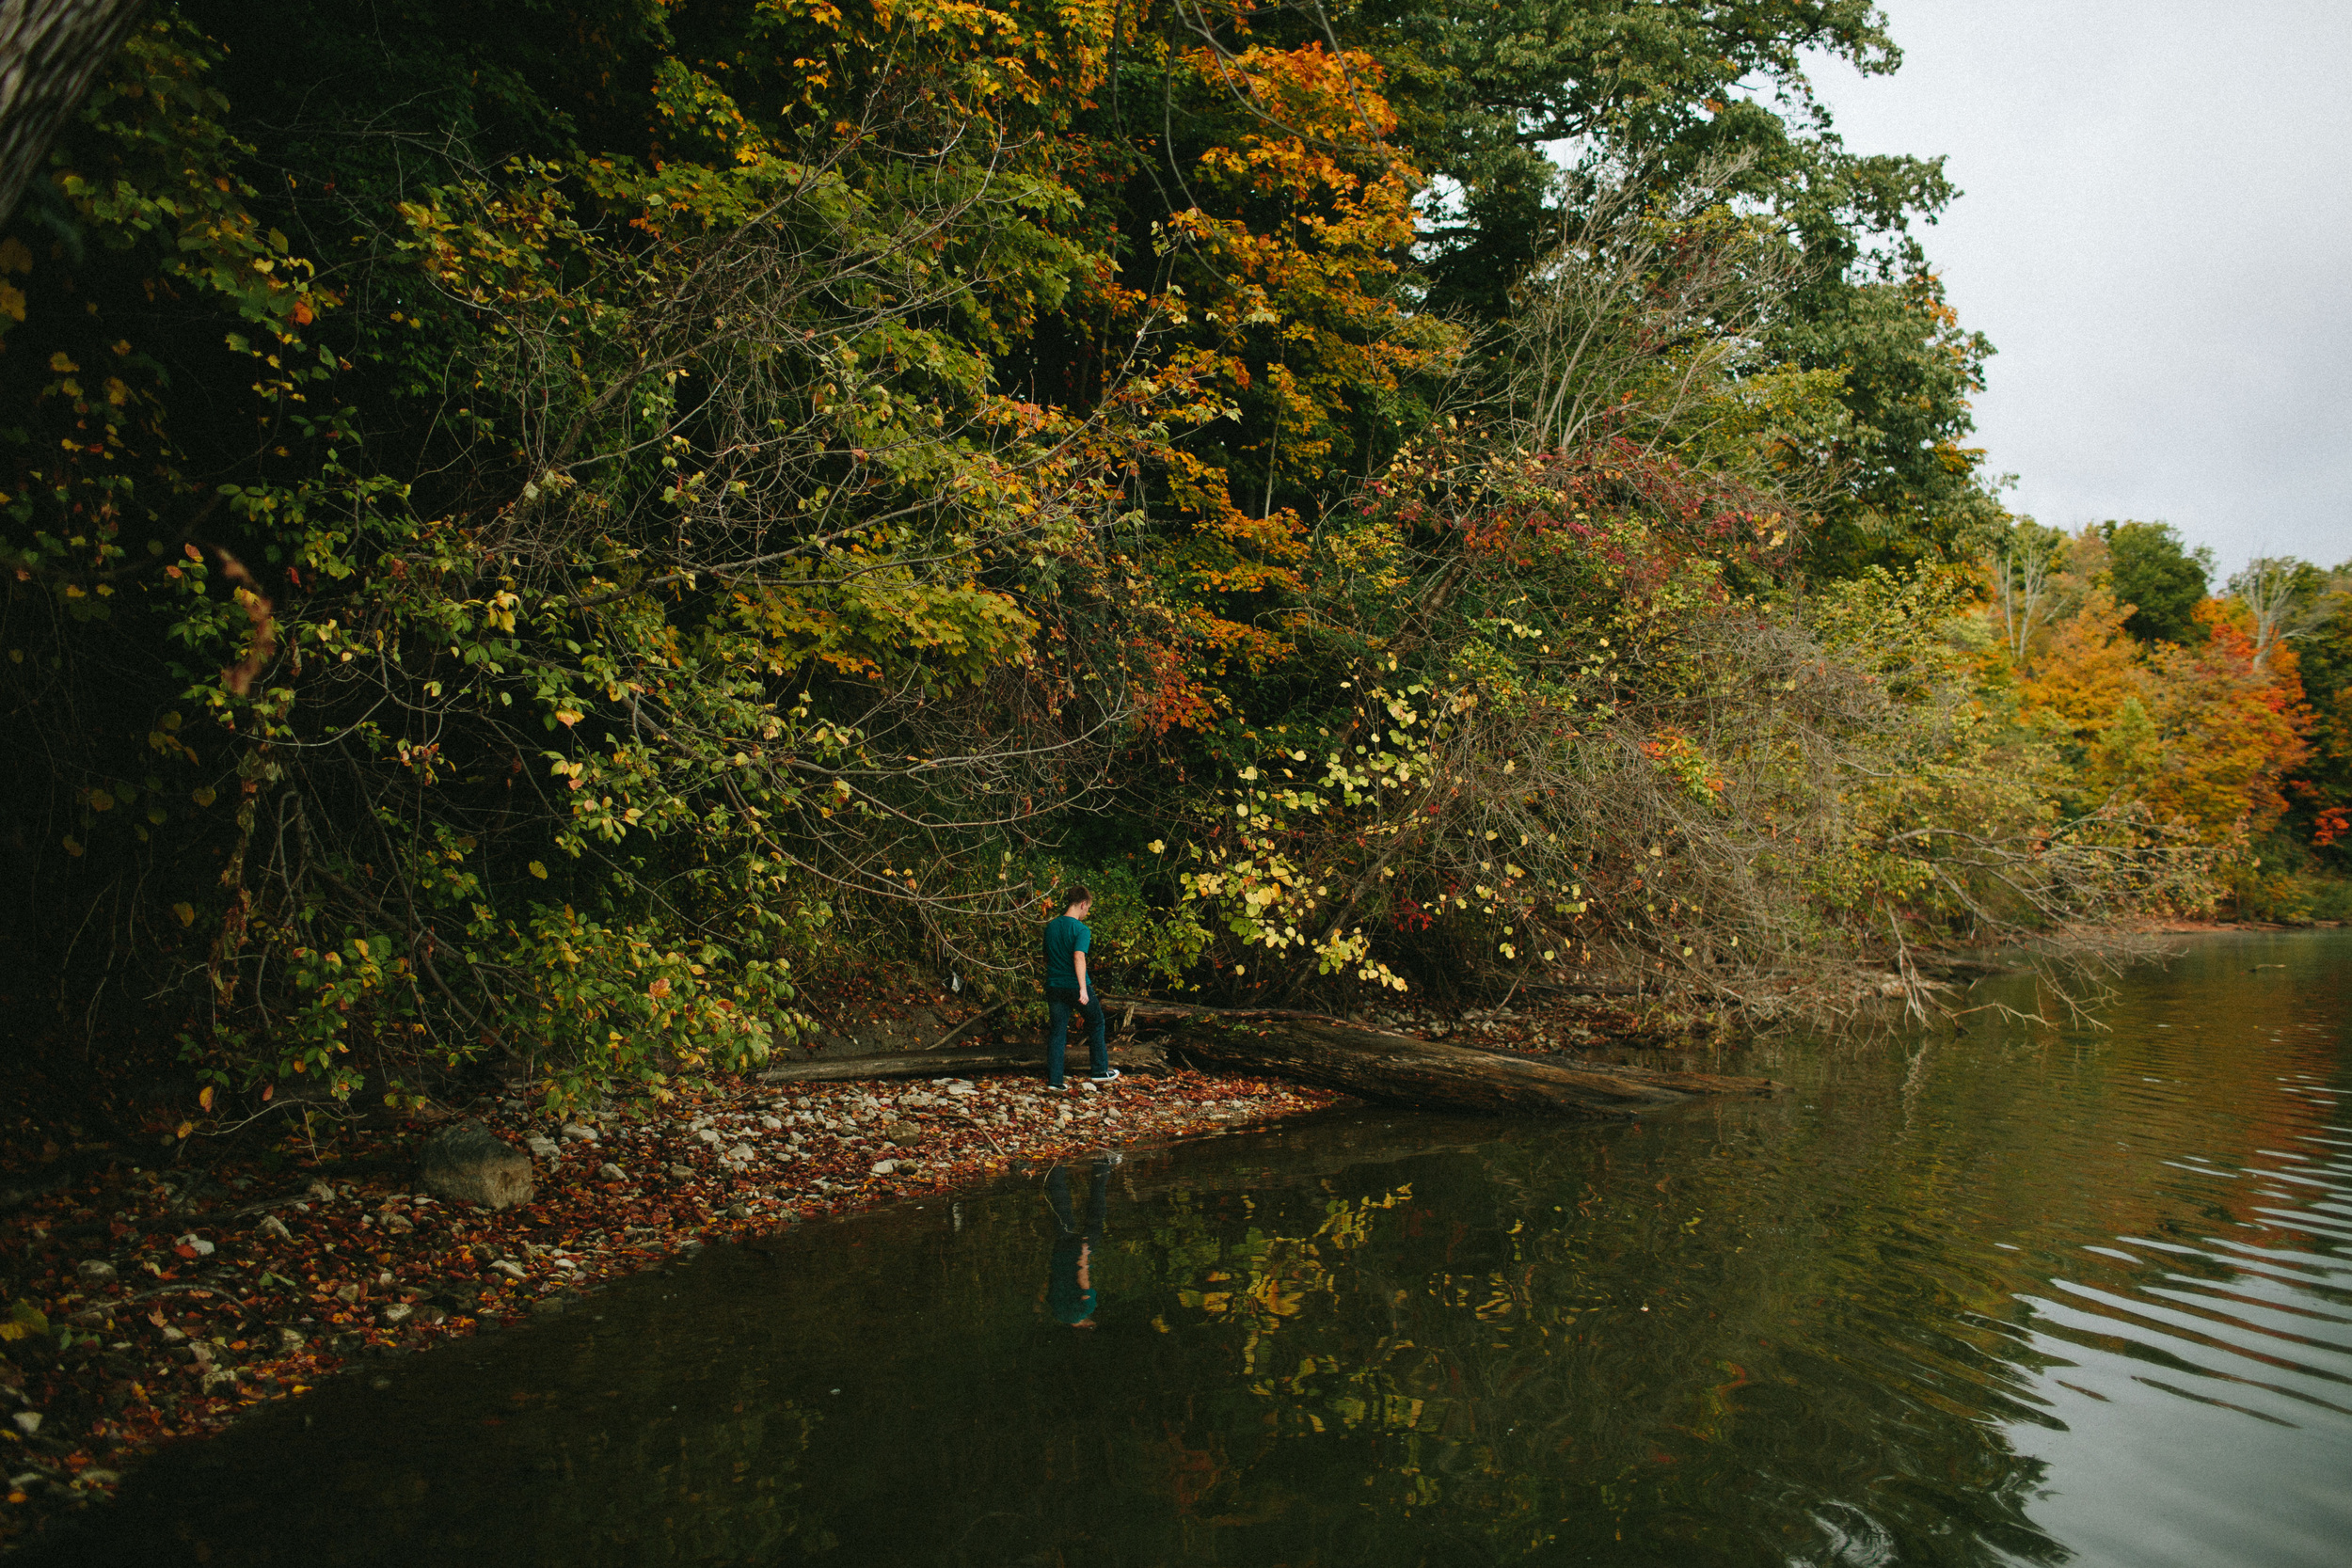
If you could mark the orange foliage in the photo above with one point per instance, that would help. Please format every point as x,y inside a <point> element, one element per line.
<point>2202,736</point>
<point>1281,319</point>
<point>2087,671</point>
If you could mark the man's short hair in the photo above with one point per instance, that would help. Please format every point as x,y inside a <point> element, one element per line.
<point>1078,892</point>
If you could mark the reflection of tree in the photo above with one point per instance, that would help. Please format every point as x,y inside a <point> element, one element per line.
<point>1443,1358</point>
<point>1497,1351</point>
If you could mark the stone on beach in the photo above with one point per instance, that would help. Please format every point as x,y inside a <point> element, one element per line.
<point>471,1164</point>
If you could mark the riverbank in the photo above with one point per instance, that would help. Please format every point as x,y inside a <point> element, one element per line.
<point>152,1304</point>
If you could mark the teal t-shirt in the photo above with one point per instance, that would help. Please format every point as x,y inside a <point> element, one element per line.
<point>1065,937</point>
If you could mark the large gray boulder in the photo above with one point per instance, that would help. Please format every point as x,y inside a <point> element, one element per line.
<point>471,1164</point>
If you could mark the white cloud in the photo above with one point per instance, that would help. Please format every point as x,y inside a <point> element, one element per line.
<point>2156,234</point>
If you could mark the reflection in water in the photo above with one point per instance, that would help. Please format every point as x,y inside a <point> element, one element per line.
<point>1069,1287</point>
<point>2005,1297</point>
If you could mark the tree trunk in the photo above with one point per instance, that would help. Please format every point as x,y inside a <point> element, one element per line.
<point>51,51</point>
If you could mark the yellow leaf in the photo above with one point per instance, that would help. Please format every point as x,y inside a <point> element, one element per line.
<point>185,1128</point>
<point>566,716</point>
<point>539,871</point>
<point>11,301</point>
<point>202,797</point>
<point>185,911</point>
<point>205,1098</point>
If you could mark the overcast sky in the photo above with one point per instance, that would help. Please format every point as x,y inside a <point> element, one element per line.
<point>2157,236</point>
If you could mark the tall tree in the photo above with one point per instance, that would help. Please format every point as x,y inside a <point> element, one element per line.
<point>2288,599</point>
<point>1681,91</point>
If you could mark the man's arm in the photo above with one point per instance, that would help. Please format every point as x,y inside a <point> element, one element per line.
<point>1078,962</point>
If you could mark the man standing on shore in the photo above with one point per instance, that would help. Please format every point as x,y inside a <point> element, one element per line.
<point>1067,940</point>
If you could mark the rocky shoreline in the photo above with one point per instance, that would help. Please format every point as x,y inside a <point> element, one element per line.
<point>152,1303</point>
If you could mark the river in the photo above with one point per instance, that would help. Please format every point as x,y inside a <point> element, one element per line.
<point>2008,1294</point>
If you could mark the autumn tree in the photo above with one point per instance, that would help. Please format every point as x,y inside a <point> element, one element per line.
<point>621,564</point>
<point>2204,732</point>
<point>2286,599</point>
<point>2025,568</point>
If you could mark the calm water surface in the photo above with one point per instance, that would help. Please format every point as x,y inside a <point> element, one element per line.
<point>2013,1295</point>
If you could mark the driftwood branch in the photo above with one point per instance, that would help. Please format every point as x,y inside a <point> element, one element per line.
<point>966,1027</point>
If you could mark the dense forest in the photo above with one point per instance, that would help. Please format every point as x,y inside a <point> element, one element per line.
<point>555,533</point>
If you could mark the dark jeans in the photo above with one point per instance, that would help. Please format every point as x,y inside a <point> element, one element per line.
<point>1064,1003</point>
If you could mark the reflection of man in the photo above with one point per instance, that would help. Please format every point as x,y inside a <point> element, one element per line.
<point>1067,940</point>
<point>1069,1291</point>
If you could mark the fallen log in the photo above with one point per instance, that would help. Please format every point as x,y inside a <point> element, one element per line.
<point>1317,1049</point>
<point>1664,1078</point>
<point>977,1062</point>
<point>1430,1075</point>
